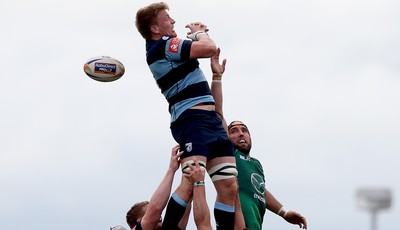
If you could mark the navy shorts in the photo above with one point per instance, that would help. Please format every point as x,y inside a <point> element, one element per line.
<point>200,132</point>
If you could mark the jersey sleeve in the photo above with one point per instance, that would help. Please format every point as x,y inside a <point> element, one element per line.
<point>178,49</point>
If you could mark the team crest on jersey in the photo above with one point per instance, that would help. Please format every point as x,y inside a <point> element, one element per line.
<point>188,147</point>
<point>174,45</point>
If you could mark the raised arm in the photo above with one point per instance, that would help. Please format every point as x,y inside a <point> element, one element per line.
<point>239,218</point>
<point>218,69</point>
<point>201,211</point>
<point>216,84</point>
<point>203,46</point>
<point>160,197</point>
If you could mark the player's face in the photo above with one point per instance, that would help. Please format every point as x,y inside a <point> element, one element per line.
<point>165,24</point>
<point>240,137</point>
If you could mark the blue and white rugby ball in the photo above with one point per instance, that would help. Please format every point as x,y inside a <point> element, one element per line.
<point>104,68</point>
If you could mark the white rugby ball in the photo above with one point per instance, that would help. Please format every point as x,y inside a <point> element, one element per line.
<point>104,68</point>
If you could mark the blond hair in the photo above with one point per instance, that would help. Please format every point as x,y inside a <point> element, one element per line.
<point>147,16</point>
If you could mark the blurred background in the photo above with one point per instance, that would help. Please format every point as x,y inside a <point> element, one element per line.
<point>317,83</point>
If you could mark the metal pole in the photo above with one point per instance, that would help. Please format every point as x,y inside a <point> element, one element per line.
<point>374,199</point>
<point>373,219</point>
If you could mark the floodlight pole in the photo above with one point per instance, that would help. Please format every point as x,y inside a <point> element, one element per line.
<point>373,219</point>
<point>374,199</point>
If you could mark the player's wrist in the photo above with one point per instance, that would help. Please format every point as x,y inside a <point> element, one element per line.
<point>171,170</point>
<point>199,183</point>
<point>195,36</point>
<point>200,33</point>
<point>282,212</point>
<point>217,76</point>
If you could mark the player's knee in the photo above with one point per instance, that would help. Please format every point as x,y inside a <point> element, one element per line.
<point>233,187</point>
<point>228,187</point>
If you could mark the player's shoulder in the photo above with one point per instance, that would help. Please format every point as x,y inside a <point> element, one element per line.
<point>256,161</point>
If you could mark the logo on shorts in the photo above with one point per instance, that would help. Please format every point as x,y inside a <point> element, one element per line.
<point>188,147</point>
<point>174,44</point>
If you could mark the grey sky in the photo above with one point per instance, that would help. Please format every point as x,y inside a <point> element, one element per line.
<point>317,82</point>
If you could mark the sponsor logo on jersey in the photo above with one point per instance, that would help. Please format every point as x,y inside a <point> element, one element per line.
<point>105,68</point>
<point>174,45</point>
<point>259,186</point>
<point>256,196</point>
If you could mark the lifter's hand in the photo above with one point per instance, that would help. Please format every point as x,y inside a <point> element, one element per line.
<point>175,158</point>
<point>195,173</point>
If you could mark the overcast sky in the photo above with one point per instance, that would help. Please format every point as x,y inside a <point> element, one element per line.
<point>317,82</point>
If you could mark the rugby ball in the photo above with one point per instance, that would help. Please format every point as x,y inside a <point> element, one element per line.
<point>104,68</point>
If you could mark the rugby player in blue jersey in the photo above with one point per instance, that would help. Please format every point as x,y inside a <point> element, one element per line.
<point>194,122</point>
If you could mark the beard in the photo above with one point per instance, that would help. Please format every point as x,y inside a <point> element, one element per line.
<point>243,148</point>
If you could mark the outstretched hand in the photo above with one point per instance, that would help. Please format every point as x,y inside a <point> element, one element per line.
<point>196,26</point>
<point>216,67</point>
<point>175,158</point>
<point>295,218</point>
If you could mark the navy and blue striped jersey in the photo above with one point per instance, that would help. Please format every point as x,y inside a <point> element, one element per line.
<point>180,79</point>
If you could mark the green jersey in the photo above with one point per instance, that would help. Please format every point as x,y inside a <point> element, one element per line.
<point>251,189</point>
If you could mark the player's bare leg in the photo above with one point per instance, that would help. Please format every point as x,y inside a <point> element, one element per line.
<point>223,173</point>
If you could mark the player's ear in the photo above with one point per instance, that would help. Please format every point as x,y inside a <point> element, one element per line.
<point>154,29</point>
